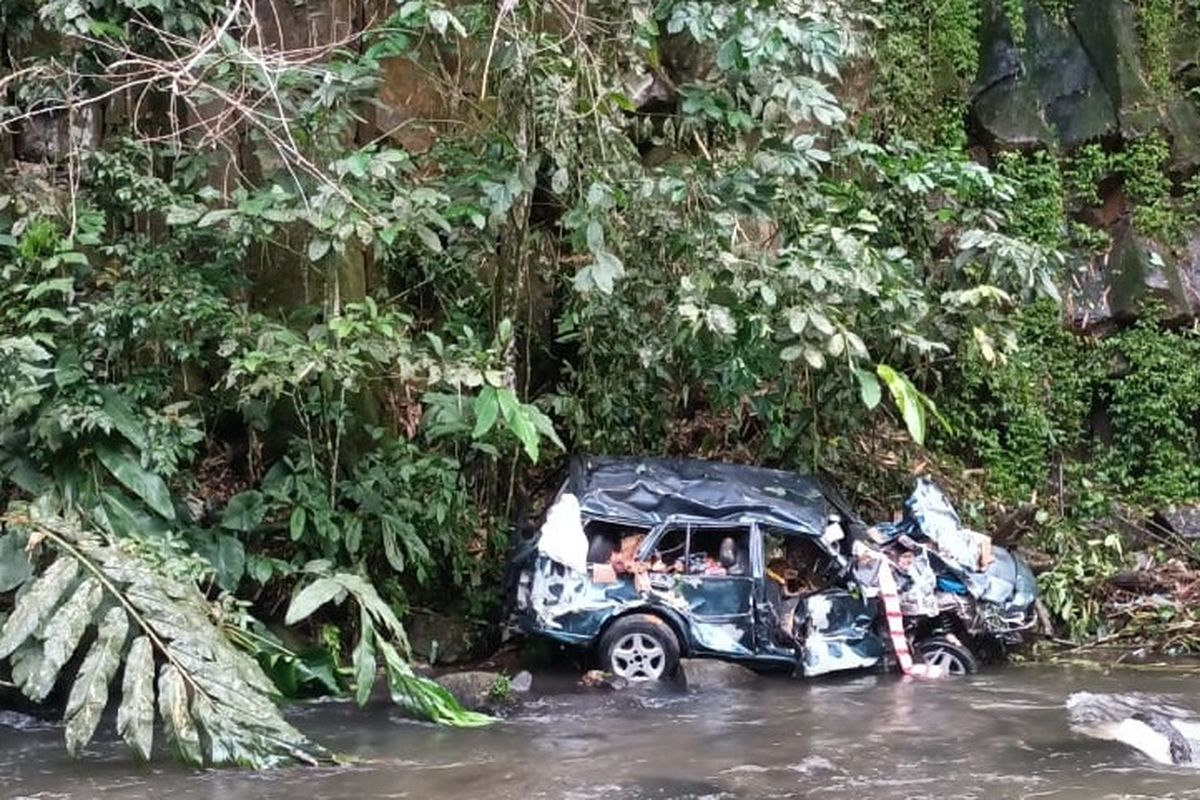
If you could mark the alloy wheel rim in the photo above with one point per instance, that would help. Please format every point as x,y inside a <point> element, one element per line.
<point>946,660</point>
<point>638,657</point>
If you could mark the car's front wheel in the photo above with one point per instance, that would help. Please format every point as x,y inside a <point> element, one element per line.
<point>948,655</point>
<point>640,647</point>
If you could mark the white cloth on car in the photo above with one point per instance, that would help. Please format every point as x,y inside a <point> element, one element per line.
<point>562,537</point>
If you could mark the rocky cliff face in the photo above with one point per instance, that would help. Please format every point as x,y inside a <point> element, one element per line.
<point>1074,78</point>
<point>1086,74</point>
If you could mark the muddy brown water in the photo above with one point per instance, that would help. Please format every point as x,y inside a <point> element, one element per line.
<point>1000,734</point>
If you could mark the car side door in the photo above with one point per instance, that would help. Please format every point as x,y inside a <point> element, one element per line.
<point>717,585</point>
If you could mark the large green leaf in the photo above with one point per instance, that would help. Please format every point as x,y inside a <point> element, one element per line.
<point>487,411</point>
<point>907,399</point>
<point>35,605</point>
<point>118,409</point>
<point>89,693</point>
<point>526,432</point>
<point>391,549</point>
<point>423,698</point>
<point>135,717</point>
<point>15,566</point>
<point>178,725</point>
<point>310,598</point>
<point>245,511</point>
<point>216,703</point>
<point>365,665</point>
<point>61,635</point>
<point>912,402</point>
<point>868,388</point>
<point>15,467</point>
<point>544,425</point>
<point>368,598</point>
<point>228,558</point>
<point>137,479</point>
<point>125,518</point>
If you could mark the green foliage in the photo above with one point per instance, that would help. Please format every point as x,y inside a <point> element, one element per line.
<point>1086,425</point>
<point>1014,14</point>
<point>1157,22</point>
<point>1152,396</point>
<point>380,634</point>
<point>1036,412</point>
<point>1057,8</point>
<point>331,373</point>
<point>1025,415</point>
<point>1082,173</point>
<point>501,689</point>
<point>927,55</point>
<point>1038,213</point>
<point>911,402</point>
<point>1143,166</point>
<point>1074,590</point>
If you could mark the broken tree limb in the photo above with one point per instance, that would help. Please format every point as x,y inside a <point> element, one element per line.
<point>1015,525</point>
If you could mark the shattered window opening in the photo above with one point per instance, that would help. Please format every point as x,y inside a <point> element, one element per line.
<point>670,551</point>
<point>798,566</point>
<point>718,552</point>
<point>614,543</point>
<point>702,551</point>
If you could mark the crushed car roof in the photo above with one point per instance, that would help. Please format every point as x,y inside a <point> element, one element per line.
<point>649,490</point>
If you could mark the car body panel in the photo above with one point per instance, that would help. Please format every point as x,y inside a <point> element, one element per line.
<point>841,633</point>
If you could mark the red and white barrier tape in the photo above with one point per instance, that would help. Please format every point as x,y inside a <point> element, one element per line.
<point>890,595</point>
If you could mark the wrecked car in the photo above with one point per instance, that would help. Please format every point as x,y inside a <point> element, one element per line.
<point>645,561</point>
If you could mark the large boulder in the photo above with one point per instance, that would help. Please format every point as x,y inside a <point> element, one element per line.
<point>1072,79</point>
<point>1117,284</point>
<point>51,137</point>
<point>477,690</point>
<point>1107,32</point>
<point>1183,521</point>
<point>449,639</point>
<point>1040,91</point>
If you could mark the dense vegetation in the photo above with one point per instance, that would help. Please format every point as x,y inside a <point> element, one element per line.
<point>267,342</point>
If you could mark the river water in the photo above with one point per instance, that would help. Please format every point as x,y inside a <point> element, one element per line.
<point>1000,734</point>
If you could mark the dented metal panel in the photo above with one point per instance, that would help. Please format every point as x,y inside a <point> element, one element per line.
<point>652,490</point>
<point>839,633</point>
<point>721,613</point>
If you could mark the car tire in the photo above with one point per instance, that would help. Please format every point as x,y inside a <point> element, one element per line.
<point>639,647</point>
<point>950,655</point>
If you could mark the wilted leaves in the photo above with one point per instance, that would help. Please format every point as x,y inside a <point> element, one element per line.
<point>214,700</point>
<point>36,605</point>
<point>135,717</point>
<point>89,693</point>
<point>61,635</point>
<point>181,731</point>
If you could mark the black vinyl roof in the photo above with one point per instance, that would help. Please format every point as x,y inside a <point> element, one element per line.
<point>646,491</point>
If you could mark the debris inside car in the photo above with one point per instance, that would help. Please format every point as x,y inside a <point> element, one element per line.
<point>649,560</point>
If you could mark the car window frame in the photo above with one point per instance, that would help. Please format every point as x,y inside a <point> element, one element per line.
<point>672,523</point>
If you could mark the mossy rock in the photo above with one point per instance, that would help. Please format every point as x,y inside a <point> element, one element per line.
<point>1136,272</point>
<point>1044,90</point>
<point>1107,31</point>
<point>1073,79</point>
